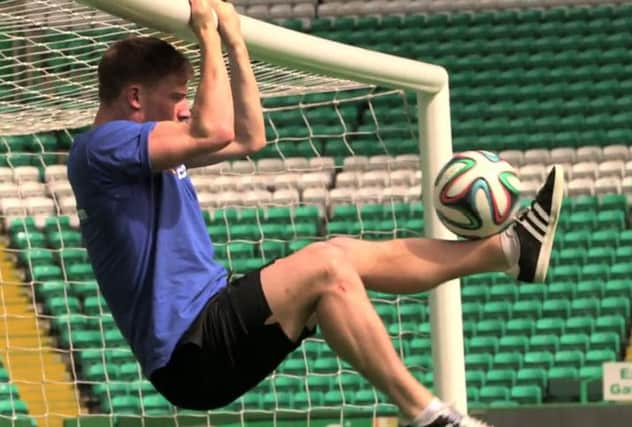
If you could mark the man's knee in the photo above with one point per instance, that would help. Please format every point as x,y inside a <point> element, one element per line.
<point>330,260</point>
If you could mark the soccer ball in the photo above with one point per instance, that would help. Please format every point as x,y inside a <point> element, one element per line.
<point>476,194</point>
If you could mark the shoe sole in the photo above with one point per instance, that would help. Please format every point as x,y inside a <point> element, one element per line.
<point>544,258</point>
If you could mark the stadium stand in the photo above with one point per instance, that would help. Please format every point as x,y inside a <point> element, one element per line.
<point>538,85</point>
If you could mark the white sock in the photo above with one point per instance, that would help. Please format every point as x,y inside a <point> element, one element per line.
<point>428,415</point>
<point>511,246</point>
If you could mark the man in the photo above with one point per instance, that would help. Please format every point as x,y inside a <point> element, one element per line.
<point>202,339</point>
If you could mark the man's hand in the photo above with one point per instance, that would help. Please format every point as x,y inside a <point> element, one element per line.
<point>229,23</point>
<point>203,17</point>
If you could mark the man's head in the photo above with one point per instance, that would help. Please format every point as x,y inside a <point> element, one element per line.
<point>145,79</point>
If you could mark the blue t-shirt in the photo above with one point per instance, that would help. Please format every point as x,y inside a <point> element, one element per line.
<point>145,236</point>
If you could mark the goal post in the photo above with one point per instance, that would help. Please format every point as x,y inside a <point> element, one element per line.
<point>284,47</point>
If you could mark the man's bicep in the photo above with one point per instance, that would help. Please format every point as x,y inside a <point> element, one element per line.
<point>171,144</point>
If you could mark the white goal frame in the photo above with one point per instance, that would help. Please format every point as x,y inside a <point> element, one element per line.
<point>281,46</point>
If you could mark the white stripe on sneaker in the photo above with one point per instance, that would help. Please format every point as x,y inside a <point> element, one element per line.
<point>532,227</point>
<point>541,212</point>
<point>538,220</point>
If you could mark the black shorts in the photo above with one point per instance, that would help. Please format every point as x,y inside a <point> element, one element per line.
<point>227,350</point>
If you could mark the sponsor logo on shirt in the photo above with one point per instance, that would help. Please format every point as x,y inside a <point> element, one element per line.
<point>180,171</point>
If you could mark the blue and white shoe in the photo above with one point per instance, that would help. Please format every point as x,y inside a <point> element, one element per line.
<point>535,229</point>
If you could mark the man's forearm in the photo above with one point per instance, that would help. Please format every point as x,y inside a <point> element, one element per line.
<point>249,124</point>
<point>213,100</point>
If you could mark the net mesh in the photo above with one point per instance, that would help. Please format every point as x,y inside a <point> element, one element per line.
<point>340,160</point>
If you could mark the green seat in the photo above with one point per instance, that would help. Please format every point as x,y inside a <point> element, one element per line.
<point>483,344</point>
<point>503,293</point>
<point>62,305</point>
<point>71,256</point>
<point>576,239</point>
<point>490,327</point>
<point>604,238</point>
<point>95,305</point>
<point>64,239</point>
<point>585,306</point>
<point>527,394</point>
<point>33,257</point>
<point>527,309</point>
<point>241,250</point>
<point>272,249</point>
<point>611,219</point>
<point>598,357</point>
<point>481,361</point>
<point>590,289</point>
<point>511,343</point>
<point>122,405</point>
<point>43,273</point>
<point>621,271</point>
<point>594,272</point>
<point>613,202</point>
<point>8,391</point>
<point>491,394</point>
<point>616,305</point>
<point>550,325</point>
<point>536,291</point>
<point>113,338</point>
<point>605,340</point>
<point>471,311</point>
<point>564,290</point>
<point>156,404</point>
<point>497,310</point>
<point>474,378</point>
<point>507,360</point>
<point>563,372</point>
<point>84,289</point>
<point>590,372</point>
<point>80,272</point>
<point>519,326</point>
<point>574,342</point>
<point>556,308</point>
<point>532,376</point>
<point>538,359</point>
<point>579,324</point>
<point>500,377</point>
<point>86,339</point>
<point>544,342</point>
<point>13,407</point>
<point>50,289</point>
<point>611,323</point>
<point>569,358</point>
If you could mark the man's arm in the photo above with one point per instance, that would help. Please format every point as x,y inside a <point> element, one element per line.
<point>211,127</point>
<point>249,129</point>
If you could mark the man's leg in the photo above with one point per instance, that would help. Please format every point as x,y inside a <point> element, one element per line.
<point>318,280</point>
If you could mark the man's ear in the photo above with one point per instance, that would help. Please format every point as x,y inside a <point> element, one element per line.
<point>133,96</point>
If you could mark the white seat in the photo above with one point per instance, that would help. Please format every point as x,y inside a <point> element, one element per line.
<point>394,193</point>
<point>580,187</point>
<point>203,183</point>
<point>402,177</point>
<point>270,165</point>
<point>33,189</point>
<point>608,185</point>
<point>56,173</point>
<point>305,10</point>
<point>585,170</point>
<point>529,188</point>
<point>626,186</point>
<point>281,11</point>
<point>562,155</point>
<point>628,168</point>
<point>366,195</point>
<point>417,175</point>
<point>217,168</point>
<point>6,174</point>
<point>68,205</point>
<point>296,164</point>
<point>537,155</point>
<point>407,161</point>
<point>286,180</point>
<point>322,163</point>
<point>286,196</point>
<point>532,172</point>
<point>315,180</point>
<point>257,198</point>
<point>331,9</point>
<point>12,206</point>
<point>8,189</point>
<point>228,199</point>
<point>348,179</point>
<point>381,161</point>
<point>374,178</point>
<point>413,194</point>
<point>225,183</point>
<point>316,196</point>
<point>615,152</point>
<point>59,189</point>
<point>514,157</point>
<point>259,11</point>
<point>588,153</point>
<point>341,196</point>
<point>253,182</point>
<point>207,200</point>
<point>25,173</point>
<point>243,167</point>
<point>355,163</point>
<point>609,168</point>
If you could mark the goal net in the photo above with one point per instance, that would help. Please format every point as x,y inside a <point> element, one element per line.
<point>342,159</point>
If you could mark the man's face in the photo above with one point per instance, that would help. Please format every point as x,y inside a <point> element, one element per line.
<point>166,100</point>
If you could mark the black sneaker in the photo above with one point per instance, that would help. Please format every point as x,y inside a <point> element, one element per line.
<point>447,417</point>
<point>535,228</point>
